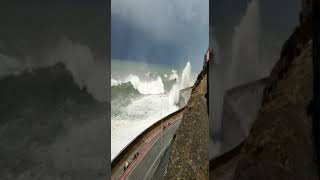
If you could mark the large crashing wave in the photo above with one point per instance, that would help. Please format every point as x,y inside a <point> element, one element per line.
<point>77,57</point>
<point>150,100</point>
<point>146,87</point>
<point>80,60</point>
<point>134,85</point>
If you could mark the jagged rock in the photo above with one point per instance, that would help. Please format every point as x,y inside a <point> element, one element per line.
<point>280,145</point>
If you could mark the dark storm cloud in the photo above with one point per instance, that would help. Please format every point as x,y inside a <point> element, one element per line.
<point>131,43</point>
<point>164,31</point>
<point>31,25</point>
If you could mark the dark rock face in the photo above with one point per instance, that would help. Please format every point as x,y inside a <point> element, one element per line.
<point>306,13</point>
<point>189,150</point>
<point>280,145</point>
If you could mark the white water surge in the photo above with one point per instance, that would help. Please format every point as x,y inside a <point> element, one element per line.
<point>146,87</point>
<point>151,105</point>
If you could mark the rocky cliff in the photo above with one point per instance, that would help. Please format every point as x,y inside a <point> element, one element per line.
<point>189,149</point>
<point>280,144</point>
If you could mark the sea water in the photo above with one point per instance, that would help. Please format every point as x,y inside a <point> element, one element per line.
<point>142,94</point>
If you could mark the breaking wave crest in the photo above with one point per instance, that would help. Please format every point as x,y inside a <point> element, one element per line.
<point>134,86</point>
<point>146,87</point>
<point>138,102</point>
<point>86,69</point>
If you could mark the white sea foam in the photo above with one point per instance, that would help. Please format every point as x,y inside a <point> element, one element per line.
<point>148,74</point>
<point>174,75</point>
<point>136,117</point>
<point>174,95</point>
<point>146,87</point>
<point>115,82</point>
<point>142,112</point>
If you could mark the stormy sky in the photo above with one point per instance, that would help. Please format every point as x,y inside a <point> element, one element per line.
<point>29,27</point>
<point>157,31</point>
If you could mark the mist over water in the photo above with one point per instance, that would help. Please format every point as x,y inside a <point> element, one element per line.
<point>245,61</point>
<point>244,66</point>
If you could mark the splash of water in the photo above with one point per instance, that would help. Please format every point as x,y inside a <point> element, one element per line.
<point>186,77</point>
<point>174,75</point>
<point>174,95</point>
<point>184,83</point>
<point>244,67</point>
<point>246,48</point>
<point>78,58</point>
<point>146,87</point>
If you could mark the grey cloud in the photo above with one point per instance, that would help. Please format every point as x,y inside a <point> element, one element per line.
<point>166,20</point>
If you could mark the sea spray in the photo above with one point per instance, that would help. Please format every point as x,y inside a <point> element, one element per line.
<point>115,82</point>
<point>174,95</point>
<point>136,117</point>
<point>246,48</point>
<point>186,77</point>
<point>174,75</point>
<point>146,87</point>
<point>151,104</point>
<point>78,59</point>
<point>179,85</point>
<point>243,67</point>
